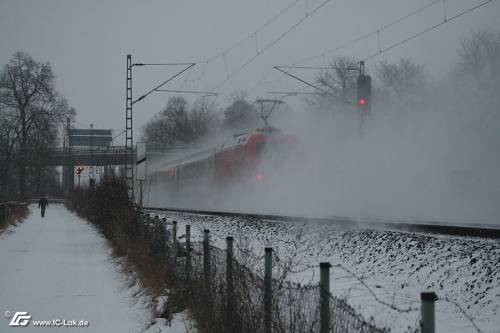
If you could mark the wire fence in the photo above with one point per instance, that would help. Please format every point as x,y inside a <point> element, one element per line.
<point>225,295</point>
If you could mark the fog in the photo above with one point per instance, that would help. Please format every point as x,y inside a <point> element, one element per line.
<point>435,159</point>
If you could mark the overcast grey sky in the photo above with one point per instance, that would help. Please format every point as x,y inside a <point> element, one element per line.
<point>87,42</point>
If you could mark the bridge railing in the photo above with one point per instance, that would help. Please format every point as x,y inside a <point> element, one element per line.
<point>88,150</point>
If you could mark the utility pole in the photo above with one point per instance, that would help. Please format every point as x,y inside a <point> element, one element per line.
<point>91,169</point>
<point>364,92</point>
<point>140,167</point>
<point>68,169</point>
<point>129,143</point>
<point>140,193</point>
<point>361,114</point>
<point>68,131</point>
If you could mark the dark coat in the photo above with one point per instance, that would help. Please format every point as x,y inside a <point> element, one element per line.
<point>43,203</point>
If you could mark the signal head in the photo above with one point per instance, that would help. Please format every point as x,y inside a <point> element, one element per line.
<point>364,92</point>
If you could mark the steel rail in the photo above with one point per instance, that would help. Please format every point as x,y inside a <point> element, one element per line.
<point>430,227</point>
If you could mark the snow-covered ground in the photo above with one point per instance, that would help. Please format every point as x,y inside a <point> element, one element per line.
<point>60,267</point>
<point>380,273</point>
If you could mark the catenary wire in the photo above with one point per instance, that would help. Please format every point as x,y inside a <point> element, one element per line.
<point>271,44</point>
<point>254,33</point>
<point>446,20</point>
<point>378,30</point>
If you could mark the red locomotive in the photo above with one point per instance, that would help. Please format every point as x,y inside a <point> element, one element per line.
<point>243,160</point>
<point>242,173</point>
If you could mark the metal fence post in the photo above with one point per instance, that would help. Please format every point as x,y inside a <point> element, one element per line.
<point>188,253</point>
<point>229,273</point>
<point>324,297</point>
<point>156,222</point>
<point>427,311</point>
<point>163,235</point>
<point>156,235</point>
<point>268,292</point>
<point>145,227</point>
<point>174,246</point>
<point>206,258</point>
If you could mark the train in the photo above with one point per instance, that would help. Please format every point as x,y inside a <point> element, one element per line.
<point>245,160</point>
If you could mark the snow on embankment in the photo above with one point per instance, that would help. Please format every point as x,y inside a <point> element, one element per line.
<point>59,267</point>
<point>376,267</point>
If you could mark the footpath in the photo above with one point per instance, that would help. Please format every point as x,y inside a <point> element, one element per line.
<point>58,268</point>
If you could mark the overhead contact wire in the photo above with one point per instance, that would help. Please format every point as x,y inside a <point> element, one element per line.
<point>271,44</point>
<point>446,20</point>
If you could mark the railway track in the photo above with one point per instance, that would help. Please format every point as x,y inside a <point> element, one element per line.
<point>432,227</point>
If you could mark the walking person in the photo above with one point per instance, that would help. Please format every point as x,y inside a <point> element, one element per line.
<point>42,204</point>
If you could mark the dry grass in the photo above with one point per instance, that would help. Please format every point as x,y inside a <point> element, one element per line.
<point>143,248</point>
<point>133,243</point>
<point>12,216</point>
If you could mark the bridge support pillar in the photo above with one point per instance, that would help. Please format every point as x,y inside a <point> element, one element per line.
<point>68,178</point>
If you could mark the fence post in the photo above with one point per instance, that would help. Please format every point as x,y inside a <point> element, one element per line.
<point>145,227</point>
<point>229,273</point>
<point>268,292</point>
<point>156,222</point>
<point>188,254</point>
<point>206,258</point>
<point>324,297</point>
<point>163,235</point>
<point>427,311</point>
<point>156,235</point>
<point>174,246</point>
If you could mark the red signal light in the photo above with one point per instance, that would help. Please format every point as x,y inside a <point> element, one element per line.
<point>79,170</point>
<point>362,101</point>
<point>259,177</point>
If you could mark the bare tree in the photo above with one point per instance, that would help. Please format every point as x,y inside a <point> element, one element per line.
<point>403,78</point>
<point>204,117</point>
<point>480,55</point>
<point>27,95</point>
<point>341,80</point>
<point>7,150</point>
<point>475,81</point>
<point>238,95</point>
<point>42,139</point>
<point>178,123</point>
<point>240,116</point>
